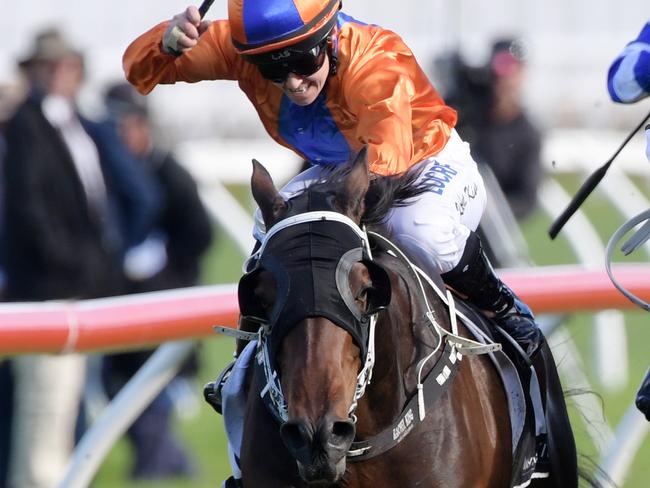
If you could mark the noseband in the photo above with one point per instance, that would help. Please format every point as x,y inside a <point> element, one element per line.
<point>310,257</point>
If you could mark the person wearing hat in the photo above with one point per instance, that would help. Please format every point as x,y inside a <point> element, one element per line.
<point>324,85</point>
<point>494,121</point>
<point>184,232</point>
<point>10,96</point>
<point>183,221</point>
<point>75,203</point>
<point>511,143</point>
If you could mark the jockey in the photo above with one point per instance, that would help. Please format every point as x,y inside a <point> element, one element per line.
<point>628,81</point>
<point>325,84</point>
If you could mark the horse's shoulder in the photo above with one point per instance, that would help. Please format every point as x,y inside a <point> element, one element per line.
<point>389,256</point>
<point>424,293</point>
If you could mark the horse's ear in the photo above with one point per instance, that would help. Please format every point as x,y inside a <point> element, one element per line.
<point>355,187</point>
<point>266,195</point>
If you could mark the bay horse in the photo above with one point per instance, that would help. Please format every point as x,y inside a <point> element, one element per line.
<point>312,410</point>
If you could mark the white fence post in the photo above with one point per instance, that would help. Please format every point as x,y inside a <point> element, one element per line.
<point>139,392</point>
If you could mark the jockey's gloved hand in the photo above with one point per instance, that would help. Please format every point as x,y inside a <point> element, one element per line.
<point>183,31</point>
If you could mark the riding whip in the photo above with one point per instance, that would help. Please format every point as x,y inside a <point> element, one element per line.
<point>589,185</point>
<point>203,9</point>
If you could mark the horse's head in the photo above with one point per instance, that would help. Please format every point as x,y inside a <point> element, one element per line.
<point>315,286</point>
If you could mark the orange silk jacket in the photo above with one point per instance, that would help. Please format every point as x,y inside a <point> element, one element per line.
<point>379,95</point>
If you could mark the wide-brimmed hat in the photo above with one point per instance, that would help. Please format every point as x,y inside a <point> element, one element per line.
<point>49,45</point>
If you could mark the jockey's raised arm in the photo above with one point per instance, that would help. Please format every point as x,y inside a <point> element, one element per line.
<point>147,63</point>
<point>184,30</point>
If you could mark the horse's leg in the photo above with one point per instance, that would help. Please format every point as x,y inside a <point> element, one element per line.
<point>265,461</point>
<point>561,444</point>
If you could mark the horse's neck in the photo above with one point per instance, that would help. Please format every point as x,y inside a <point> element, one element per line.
<point>402,339</point>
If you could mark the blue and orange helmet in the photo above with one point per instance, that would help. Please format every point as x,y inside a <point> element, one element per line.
<point>263,26</point>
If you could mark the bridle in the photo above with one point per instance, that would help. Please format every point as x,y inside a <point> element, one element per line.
<point>364,322</point>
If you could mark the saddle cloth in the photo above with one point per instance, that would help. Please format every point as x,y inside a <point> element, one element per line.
<point>234,405</point>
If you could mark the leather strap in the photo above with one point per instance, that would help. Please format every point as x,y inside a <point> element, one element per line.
<point>435,385</point>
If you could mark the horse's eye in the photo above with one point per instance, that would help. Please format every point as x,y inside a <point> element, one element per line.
<point>265,302</point>
<point>362,296</point>
<point>265,291</point>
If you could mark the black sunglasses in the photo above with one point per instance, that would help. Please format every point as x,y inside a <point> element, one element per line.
<point>277,66</point>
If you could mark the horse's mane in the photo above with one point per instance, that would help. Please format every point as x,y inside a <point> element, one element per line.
<point>384,192</point>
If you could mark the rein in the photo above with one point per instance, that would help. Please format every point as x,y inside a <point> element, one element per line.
<point>437,381</point>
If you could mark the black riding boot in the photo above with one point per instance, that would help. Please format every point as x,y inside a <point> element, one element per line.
<point>474,278</point>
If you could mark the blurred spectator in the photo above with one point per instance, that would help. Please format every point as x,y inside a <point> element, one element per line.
<point>75,203</point>
<point>628,81</point>
<point>183,224</point>
<point>183,232</point>
<point>11,94</point>
<point>9,97</point>
<point>493,120</point>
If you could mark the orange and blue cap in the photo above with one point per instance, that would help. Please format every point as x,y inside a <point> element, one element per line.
<point>262,26</point>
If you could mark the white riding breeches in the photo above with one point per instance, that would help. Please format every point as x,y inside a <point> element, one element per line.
<point>432,230</point>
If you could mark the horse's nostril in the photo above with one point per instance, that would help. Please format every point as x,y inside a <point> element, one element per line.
<point>343,428</point>
<point>296,436</point>
<point>342,433</point>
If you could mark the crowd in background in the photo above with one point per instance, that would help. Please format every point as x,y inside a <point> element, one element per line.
<point>90,208</point>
